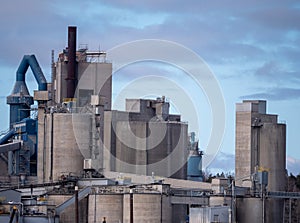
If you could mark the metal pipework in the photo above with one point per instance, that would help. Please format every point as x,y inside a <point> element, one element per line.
<point>71,78</point>
<point>30,60</point>
<point>7,136</point>
<point>20,99</point>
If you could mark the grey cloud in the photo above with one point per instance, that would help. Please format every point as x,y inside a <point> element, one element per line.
<point>26,29</point>
<point>283,17</point>
<point>290,52</point>
<point>214,28</point>
<point>272,71</point>
<point>268,69</point>
<point>276,94</point>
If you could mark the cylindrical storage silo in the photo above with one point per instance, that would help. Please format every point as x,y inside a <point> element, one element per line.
<point>66,148</point>
<point>64,140</point>
<point>273,158</point>
<point>194,167</point>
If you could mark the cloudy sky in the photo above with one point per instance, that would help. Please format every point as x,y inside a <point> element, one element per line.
<point>252,47</point>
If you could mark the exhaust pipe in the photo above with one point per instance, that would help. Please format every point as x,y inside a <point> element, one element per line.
<point>71,78</point>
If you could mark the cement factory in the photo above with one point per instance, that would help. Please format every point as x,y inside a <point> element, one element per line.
<point>74,159</point>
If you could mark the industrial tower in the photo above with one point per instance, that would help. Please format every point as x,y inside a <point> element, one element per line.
<point>260,146</point>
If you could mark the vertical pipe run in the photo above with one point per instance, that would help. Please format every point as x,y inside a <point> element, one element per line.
<point>51,145</point>
<point>95,209</point>
<point>233,207</point>
<point>53,78</point>
<point>169,150</point>
<point>87,209</point>
<point>76,205</point>
<point>131,205</point>
<point>71,78</point>
<point>161,208</point>
<point>44,148</point>
<point>263,208</point>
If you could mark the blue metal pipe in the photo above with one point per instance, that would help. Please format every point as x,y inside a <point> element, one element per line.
<point>20,99</point>
<point>7,136</point>
<point>30,60</point>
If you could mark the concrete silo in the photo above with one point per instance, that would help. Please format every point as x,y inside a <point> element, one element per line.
<point>260,145</point>
<point>146,140</point>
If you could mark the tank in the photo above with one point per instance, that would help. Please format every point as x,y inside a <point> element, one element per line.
<point>194,167</point>
<point>61,148</point>
<point>68,145</point>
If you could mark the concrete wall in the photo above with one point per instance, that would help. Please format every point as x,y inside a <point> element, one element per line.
<point>91,76</point>
<point>133,144</point>
<point>131,151</point>
<point>274,210</point>
<point>167,209</point>
<point>242,145</point>
<point>61,75</point>
<point>96,77</point>
<point>148,208</point>
<point>260,143</point>
<point>219,201</point>
<point>169,157</point>
<point>150,204</point>
<point>249,210</point>
<point>68,215</point>
<point>41,145</point>
<point>70,143</point>
<point>109,206</point>
<point>273,155</point>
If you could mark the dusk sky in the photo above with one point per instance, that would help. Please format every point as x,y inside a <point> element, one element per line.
<point>252,47</point>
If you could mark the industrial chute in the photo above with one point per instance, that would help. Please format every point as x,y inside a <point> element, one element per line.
<point>20,102</point>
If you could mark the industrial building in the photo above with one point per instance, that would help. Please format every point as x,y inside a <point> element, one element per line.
<point>260,157</point>
<point>260,145</point>
<point>76,135</point>
<point>81,91</point>
<point>80,161</point>
<point>146,139</point>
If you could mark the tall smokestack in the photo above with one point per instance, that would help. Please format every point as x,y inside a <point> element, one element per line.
<point>71,78</point>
